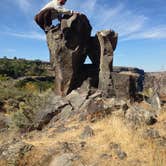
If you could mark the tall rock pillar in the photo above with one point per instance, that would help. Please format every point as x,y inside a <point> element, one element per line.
<point>107,41</point>
<point>67,45</point>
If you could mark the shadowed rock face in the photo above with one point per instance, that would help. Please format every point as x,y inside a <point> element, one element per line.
<point>69,44</point>
<point>157,82</point>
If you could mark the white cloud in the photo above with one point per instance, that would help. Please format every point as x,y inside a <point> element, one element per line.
<point>88,5</point>
<point>118,17</point>
<point>128,23</point>
<point>28,35</point>
<point>24,5</point>
<point>10,50</point>
<point>121,20</point>
<point>151,33</point>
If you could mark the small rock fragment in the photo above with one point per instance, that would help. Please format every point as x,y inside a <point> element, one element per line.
<point>151,133</point>
<point>88,132</point>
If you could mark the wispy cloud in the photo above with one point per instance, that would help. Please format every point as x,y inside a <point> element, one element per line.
<point>151,33</point>
<point>127,22</point>
<point>121,20</point>
<point>10,50</point>
<point>24,5</point>
<point>28,35</point>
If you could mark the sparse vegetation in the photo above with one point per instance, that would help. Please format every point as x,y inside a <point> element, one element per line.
<point>15,68</point>
<point>115,141</point>
<point>20,97</point>
<point>24,116</point>
<point>140,151</point>
<point>35,85</point>
<point>20,80</point>
<point>23,101</point>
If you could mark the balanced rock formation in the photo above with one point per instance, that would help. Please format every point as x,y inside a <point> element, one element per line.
<point>108,41</point>
<point>69,44</point>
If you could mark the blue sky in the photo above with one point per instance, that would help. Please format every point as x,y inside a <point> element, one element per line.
<point>141,25</point>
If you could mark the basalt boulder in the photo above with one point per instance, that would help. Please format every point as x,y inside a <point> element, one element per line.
<point>156,82</point>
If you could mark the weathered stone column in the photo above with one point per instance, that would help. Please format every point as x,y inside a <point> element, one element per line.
<point>67,45</point>
<point>108,42</point>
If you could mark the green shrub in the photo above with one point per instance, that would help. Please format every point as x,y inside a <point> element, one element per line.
<point>34,85</point>
<point>24,117</point>
<point>4,78</point>
<point>20,67</point>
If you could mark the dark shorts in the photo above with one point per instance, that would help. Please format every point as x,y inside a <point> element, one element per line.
<point>44,18</point>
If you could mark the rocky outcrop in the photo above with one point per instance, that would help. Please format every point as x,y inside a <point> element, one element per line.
<point>54,107</point>
<point>108,41</point>
<point>125,85</point>
<point>4,122</point>
<point>13,151</point>
<point>156,82</point>
<point>70,43</point>
<point>92,107</point>
<point>67,43</point>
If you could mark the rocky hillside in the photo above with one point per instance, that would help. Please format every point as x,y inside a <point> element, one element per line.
<point>92,115</point>
<point>85,129</point>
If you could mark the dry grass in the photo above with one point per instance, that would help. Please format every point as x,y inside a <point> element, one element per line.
<point>140,151</point>
<point>50,137</point>
<point>161,124</point>
<point>113,130</point>
<point>108,130</point>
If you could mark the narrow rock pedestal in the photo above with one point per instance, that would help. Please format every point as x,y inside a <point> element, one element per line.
<point>108,41</point>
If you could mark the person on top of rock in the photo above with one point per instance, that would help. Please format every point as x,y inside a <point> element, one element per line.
<point>52,10</point>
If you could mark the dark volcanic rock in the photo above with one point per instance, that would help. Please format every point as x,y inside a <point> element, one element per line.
<point>135,71</point>
<point>151,133</point>
<point>12,152</point>
<point>124,85</point>
<point>108,41</point>
<point>92,110</point>
<point>119,69</point>
<point>156,81</point>
<point>116,148</point>
<point>88,132</point>
<point>77,99</point>
<point>4,122</point>
<point>67,44</point>
<point>122,155</point>
<point>66,113</point>
<point>65,159</point>
<point>54,107</point>
<point>71,42</point>
<point>136,116</point>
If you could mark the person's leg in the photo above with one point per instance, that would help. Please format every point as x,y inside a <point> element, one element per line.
<point>39,20</point>
<point>47,19</point>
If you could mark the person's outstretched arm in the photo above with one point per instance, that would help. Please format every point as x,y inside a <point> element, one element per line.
<point>62,10</point>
